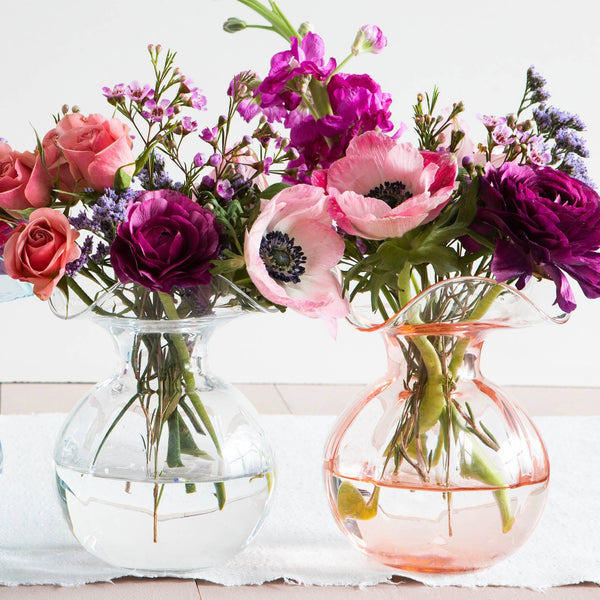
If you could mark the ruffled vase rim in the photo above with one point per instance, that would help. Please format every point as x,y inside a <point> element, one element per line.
<point>399,319</point>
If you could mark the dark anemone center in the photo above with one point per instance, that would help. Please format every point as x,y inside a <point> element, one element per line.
<point>283,260</point>
<point>393,193</point>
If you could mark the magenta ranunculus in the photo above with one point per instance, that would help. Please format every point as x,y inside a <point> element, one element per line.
<point>167,240</point>
<point>544,222</point>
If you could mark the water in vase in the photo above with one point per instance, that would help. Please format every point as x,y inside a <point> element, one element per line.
<point>433,531</point>
<point>163,526</point>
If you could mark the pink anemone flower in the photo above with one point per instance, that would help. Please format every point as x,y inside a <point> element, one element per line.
<point>291,251</point>
<point>382,189</point>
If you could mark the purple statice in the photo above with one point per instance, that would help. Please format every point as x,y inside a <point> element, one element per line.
<point>138,93</point>
<point>574,165</point>
<point>102,251</point>
<point>116,93</point>
<point>534,80</point>
<point>75,266</point>
<point>567,140</point>
<point>549,119</point>
<point>160,179</point>
<point>540,95</point>
<point>110,210</point>
<point>102,219</point>
<point>156,112</point>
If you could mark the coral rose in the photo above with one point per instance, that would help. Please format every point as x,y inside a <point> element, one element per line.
<point>58,167</point>
<point>38,251</point>
<point>24,183</point>
<point>95,148</point>
<point>168,240</point>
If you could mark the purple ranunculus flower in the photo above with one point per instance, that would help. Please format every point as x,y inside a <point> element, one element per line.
<point>544,222</point>
<point>167,240</point>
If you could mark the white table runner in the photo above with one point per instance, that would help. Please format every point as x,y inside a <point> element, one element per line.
<point>299,541</point>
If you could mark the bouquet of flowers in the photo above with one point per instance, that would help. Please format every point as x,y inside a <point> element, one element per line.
<point>151,214</point>
<point>514,207</point>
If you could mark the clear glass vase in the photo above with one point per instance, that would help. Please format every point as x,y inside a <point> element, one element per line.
<point>434,469</point>
<point>164,467</point>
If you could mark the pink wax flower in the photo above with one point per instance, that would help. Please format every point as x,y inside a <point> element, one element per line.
<point>38,251</point>
<point>95,148</point>
<point>382,189</point>
<point>290,252</point>
<point>24,183</point>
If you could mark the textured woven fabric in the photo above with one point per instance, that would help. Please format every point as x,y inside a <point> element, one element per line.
<point>299,541</point>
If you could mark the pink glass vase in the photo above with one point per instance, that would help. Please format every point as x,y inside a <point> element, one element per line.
<point>434,469</point>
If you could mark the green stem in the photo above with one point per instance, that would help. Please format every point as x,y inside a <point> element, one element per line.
<point>190,387</point>
<point>433,400</point>
<point>188,375</point>
<point>477,313</point>
<point>274,16</point>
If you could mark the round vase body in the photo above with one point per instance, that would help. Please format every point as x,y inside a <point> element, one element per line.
<point>434,469</point>
<point>164,467</point>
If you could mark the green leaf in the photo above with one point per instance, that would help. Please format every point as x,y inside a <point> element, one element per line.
<point>221,495</point>
<point>122,179</point>
<point>273,190</point>
<point>187,444</point>
<point>174,444</point>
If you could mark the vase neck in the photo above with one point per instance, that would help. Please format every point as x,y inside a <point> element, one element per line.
<point>452,353</point>
<point>140,345</point>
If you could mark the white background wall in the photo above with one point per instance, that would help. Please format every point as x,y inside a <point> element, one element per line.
<point>476,51</point>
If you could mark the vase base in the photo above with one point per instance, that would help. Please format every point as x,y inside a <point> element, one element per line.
<point>430,530</point>
<point>162,527</point>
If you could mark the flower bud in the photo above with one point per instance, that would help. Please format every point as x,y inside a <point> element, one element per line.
<point>75,109</point>
<point>369,38</point>
<point>233,25</point>
<point>304,28</point>
<point>214,160</point>
<point>65,109</point>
